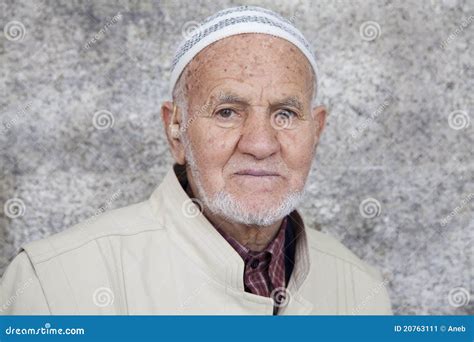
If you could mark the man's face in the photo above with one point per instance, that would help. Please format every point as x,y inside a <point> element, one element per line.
<point>251,134</point>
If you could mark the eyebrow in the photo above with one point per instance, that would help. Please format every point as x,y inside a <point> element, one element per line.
<point>231,98</point>
<point>290,101</point>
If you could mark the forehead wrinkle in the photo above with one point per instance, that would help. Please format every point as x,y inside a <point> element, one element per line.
<point>240,44</point>
<point>261,94</point>
<point>222,82</point>
<point>204,60</point>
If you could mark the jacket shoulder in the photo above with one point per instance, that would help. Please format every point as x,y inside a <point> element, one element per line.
<point>20,289</point>
<point>348,284</point>
<point>129,220</point>
<point>320,242</point>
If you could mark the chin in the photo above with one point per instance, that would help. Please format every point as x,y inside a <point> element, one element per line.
<point>253,210</point>
<point>265,217</point>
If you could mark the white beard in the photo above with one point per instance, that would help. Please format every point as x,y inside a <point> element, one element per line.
<point>225,205</point>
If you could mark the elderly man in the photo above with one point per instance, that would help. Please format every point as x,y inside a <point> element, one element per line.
<point>221,234</point>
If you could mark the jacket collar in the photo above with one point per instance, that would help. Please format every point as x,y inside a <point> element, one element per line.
<point>191,231</point>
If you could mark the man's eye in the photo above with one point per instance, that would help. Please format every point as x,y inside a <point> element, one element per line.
<point>225,113</point>
<point>284,119</point>
<point>286,114</point>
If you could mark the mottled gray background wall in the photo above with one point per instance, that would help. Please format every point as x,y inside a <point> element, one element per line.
<point>82,83</point>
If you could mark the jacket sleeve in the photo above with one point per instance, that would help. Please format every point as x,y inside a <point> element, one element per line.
<point>20,290</point>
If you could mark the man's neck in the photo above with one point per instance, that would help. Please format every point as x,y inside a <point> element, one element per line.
<point>255,238</point>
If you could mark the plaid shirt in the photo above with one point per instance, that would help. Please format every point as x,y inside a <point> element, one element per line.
<point>265,270</point>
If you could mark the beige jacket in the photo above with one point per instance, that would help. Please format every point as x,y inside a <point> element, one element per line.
<point>157,257</point>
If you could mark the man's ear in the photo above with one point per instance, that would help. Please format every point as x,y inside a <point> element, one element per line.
<point>319,114</point>
<point>171,117</point>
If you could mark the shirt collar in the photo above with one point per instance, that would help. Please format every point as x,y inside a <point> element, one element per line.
<point>274,249</point>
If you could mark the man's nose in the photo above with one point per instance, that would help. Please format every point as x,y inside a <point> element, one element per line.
<point>258,136</point>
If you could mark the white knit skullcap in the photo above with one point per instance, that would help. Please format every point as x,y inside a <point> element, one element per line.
<point>234,21</point>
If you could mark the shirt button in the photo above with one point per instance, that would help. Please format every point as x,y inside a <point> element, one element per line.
<point>254,263</point>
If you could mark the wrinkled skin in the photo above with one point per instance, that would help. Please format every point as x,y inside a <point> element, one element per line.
<point>262,71</point>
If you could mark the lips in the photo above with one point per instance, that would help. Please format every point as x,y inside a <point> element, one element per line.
<point>257,173</point>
